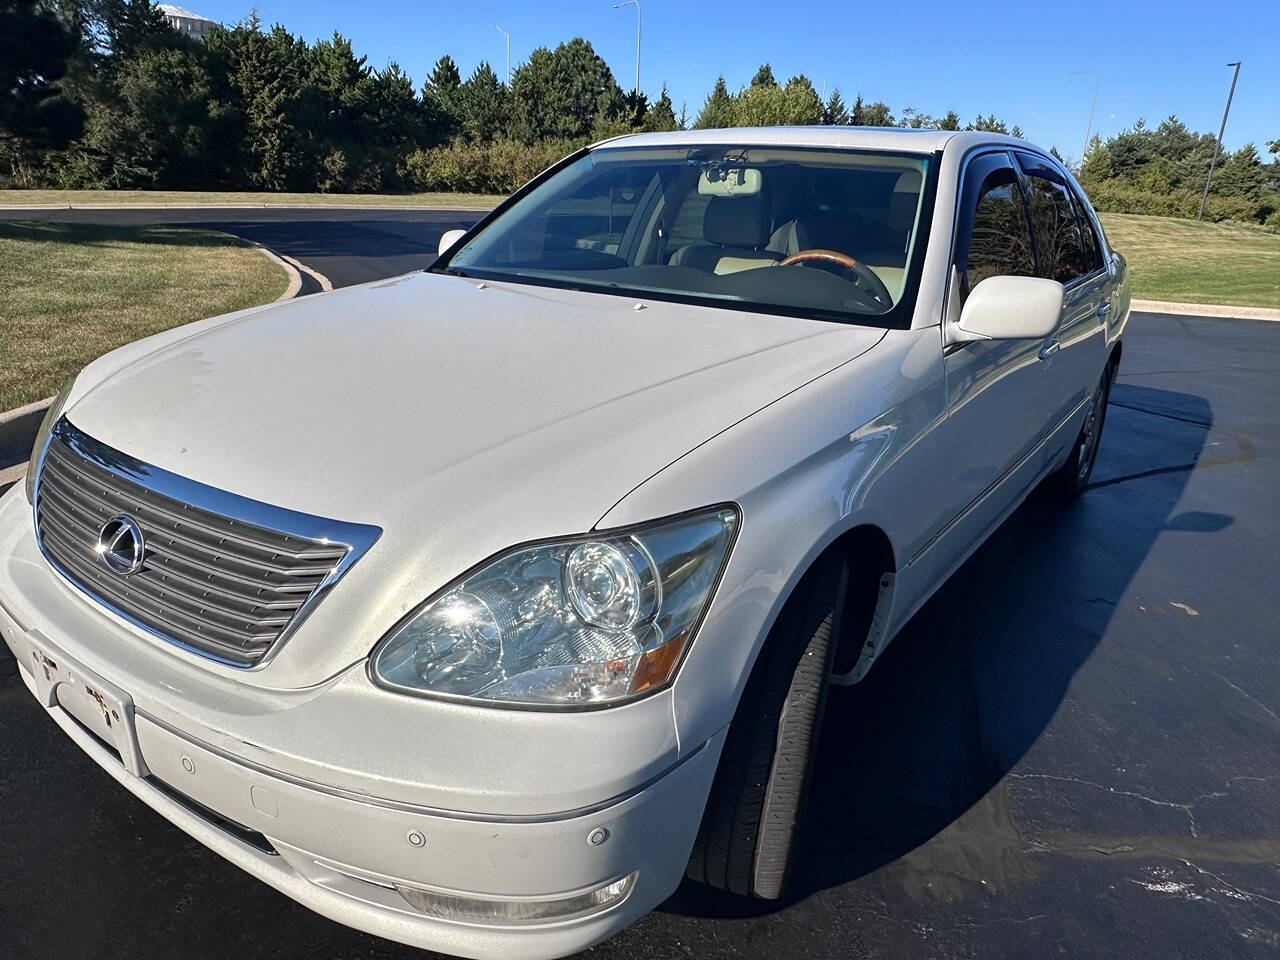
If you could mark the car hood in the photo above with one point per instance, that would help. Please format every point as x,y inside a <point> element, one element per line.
<point>460,417</point>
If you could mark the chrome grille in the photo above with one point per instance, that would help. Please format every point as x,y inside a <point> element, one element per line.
<point>225,582</point>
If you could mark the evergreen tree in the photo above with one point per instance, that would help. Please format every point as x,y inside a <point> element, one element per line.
<point>585,89</point>
<point>631,114</point>
<point>561,94</point>
<point>156,133</point>
<point>483,105</point>
<point>1241,174</point>
<point>440,97</point>
<point>533,97</point>
<point>662,116</point>
<point>949,121</point>
<point>398,122</point>
<point>764,77</point>
<point>835,113</point>
<point>717,112</point>
<point>990,124</point>
<point>264,77</point>
<point>337,136</point>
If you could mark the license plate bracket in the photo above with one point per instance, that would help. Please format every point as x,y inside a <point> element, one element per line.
<point>97,704</point>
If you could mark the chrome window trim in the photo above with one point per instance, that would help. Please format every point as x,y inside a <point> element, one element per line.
<point>356,537</point>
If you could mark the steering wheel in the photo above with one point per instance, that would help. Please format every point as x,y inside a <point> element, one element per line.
<point>860,270</point>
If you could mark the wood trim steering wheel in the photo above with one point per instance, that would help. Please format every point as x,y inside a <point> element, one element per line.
<point>866,277</point>
<point>816,253</point>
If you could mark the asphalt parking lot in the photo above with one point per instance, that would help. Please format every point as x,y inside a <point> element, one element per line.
<point>347,245</point>
<point>1072,750</point>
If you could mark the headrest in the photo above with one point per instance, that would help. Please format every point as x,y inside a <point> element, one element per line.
<point>904,201</point>
<point>908,182</point>
<point>902,210</point>
<point>737,221</point>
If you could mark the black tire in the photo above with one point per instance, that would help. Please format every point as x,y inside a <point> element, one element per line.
<point>1071,479</point>
<point>748,837</point>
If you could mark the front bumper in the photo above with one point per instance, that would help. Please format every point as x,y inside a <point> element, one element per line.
<point>334,843</point>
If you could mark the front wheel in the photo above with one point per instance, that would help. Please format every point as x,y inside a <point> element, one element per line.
<point>748,837</point>
<point>1070,480</point>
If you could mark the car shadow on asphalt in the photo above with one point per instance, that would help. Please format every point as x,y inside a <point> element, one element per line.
<point>978,673</point>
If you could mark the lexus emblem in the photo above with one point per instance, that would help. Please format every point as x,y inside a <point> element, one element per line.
<point>121,546</point>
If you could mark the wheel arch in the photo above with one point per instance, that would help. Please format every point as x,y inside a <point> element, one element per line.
<point>872,561</point>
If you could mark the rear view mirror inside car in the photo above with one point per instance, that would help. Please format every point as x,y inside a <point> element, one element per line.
<point>729,182</point>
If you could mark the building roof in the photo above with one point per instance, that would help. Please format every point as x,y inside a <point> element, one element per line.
<point>173,10</point>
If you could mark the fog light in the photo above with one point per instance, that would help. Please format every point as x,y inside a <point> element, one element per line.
<point>447,906</point>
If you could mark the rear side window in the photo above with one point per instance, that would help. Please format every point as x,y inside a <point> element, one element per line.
<point>1060,246</point>
<point>1092,247</point>
<point>996,241</point>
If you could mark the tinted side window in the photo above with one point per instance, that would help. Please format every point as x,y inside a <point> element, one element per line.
<point>999,242</point>
<point>596,216</point>
<point>1092,248</point>
<point>1060,251</point>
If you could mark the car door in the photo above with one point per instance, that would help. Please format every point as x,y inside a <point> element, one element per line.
<point>999,406</point>
<point>1068,250</point>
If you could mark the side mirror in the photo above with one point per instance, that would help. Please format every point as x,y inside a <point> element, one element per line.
<point>448,239</point>
<point>1009,308</point>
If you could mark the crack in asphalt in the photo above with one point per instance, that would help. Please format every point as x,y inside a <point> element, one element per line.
<point>1184,807</point>
<point>1247,894</point>
<point>1248,696</point>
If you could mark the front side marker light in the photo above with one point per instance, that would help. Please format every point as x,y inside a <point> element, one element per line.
<point>459,909</point>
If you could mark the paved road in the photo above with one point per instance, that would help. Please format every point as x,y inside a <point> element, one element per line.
<point>1073,749</point>
<point>347,245</point>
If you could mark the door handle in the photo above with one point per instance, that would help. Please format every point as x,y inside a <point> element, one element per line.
<point>1103,307</point>
<point>1049,349</point>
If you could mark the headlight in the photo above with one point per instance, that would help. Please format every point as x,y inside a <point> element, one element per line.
<point>42,437</point>
<point>586,621</point>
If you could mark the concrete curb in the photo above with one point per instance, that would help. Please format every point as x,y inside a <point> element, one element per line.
<point>325,283</point>
<point>18,429</point>
<point>295,278</point>
<point>1204,310</point>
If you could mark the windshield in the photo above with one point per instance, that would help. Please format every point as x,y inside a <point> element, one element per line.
<point>810,232</point>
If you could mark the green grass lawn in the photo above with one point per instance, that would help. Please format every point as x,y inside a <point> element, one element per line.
<point>193,198</point>
<point>1192,262</point>
<point>69,293</point>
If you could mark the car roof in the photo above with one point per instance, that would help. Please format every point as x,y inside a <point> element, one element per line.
<point>902,139</point>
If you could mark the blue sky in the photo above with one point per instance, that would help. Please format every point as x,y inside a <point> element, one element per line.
<point>976,56</point>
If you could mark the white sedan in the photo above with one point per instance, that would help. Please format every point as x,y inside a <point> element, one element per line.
<point>478,607</point>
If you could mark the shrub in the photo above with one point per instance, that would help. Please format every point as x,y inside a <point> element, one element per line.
<point>499,166</point>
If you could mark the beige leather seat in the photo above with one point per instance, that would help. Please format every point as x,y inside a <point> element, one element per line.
<point>737,231</point>
<point>886,254</point>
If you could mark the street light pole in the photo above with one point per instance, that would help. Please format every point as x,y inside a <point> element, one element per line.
<point>1089,123</point>
<point>1088,127</point>
<point>636,4</point>
<point>1217,147</point>
<point>508,36</point>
